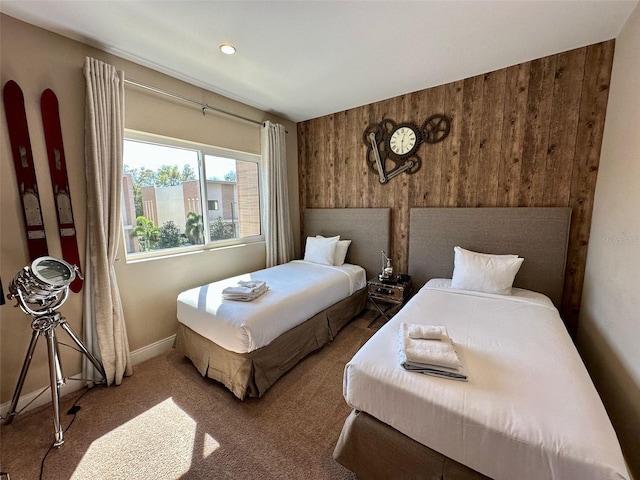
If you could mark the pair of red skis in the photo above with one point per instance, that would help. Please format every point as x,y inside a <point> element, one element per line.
<point>26,175</point>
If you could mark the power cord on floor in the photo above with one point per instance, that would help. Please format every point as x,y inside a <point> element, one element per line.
<point>75,408</point>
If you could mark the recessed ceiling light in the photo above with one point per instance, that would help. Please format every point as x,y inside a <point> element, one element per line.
<point>227,49</point>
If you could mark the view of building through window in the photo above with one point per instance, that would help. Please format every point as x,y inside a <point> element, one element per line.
<point>167,205</point>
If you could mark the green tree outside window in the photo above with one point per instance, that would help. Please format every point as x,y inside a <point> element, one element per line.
<point>146,232</point>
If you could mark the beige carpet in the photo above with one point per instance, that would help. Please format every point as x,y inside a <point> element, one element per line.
<point>167,422</point>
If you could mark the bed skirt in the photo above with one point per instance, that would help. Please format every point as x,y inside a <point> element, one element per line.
<point>251,374</point>
<point>374,450</point>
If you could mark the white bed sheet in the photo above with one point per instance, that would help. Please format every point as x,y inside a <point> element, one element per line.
<point>297,291</point>
<point>529,410</point>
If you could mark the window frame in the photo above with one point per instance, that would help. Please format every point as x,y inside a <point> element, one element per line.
<point>202,150</point>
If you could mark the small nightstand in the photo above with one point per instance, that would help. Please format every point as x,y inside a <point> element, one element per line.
<point>392,295</point>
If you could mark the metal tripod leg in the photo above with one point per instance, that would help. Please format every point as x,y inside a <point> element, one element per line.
<point>23,374</point>
<point>56,379</point>
<point>63,323</point>
<point>47,324</point>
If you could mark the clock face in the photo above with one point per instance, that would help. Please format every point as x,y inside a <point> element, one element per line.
<point>403,140</point>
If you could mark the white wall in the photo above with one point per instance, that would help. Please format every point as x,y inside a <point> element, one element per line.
<point>37,59</point>
<point>608,335</point>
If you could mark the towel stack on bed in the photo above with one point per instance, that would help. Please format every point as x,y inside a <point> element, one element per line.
<point>428,349</point>
<point>245,291</point>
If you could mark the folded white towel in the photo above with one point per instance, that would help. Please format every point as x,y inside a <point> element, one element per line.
<point>252,283</point>
<point>238,291</point>
<point>243,298</point>
<point>426,332</point>
<point>245,291</point>
<point>428,352</point>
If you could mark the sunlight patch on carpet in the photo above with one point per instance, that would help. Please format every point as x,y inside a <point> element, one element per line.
<point>159,443</point>
<point>210,445</point>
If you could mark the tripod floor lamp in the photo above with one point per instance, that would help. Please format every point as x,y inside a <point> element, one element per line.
<point>39,290</point>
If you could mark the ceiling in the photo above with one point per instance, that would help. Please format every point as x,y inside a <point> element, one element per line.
<point>305,59</point>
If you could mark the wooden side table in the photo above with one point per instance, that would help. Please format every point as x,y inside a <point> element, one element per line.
<point>391,296</point>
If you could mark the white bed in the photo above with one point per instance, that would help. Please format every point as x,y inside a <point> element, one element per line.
<point>248,346</point>
<point>529,409</point>
<point>297,291</point>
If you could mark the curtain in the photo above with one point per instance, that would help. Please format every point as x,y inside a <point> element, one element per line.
<point>276,220</point>
<point>104,323</point>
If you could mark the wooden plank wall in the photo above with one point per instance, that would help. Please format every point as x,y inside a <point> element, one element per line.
<point>527,135</point>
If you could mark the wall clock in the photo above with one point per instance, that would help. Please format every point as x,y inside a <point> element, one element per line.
<point>395,145</point>
<point>404,140</point>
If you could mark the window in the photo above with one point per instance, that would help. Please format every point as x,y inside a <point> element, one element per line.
<point>179,195</point>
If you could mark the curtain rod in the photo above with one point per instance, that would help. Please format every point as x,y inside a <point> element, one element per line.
<point>204,106</point>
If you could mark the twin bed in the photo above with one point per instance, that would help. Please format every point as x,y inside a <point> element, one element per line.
<point>248,346</point>
<point>528,410</point>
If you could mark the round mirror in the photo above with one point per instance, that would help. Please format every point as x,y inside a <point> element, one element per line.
<point>52,271</point>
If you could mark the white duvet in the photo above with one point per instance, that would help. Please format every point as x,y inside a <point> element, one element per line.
<point>297,291</point>
<point>529,410</point>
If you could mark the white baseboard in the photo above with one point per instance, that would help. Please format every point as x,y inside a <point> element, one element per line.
<point>72,384</point>
<point>153,350</point>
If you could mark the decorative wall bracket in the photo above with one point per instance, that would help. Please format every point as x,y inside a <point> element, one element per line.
<point>391,143</point>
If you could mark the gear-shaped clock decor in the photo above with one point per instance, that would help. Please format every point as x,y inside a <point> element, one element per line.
<point>397,143</point>
<point>436,128</point>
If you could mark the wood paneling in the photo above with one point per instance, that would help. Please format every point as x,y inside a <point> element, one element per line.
<point>527,135</point>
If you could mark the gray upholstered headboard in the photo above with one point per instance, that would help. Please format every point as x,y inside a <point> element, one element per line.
<point>367,228</point>
<point>539,235</point>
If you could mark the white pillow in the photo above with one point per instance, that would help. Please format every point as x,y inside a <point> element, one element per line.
<point>484,272</point>
<point>341,252</point>
<point>321,250</point>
